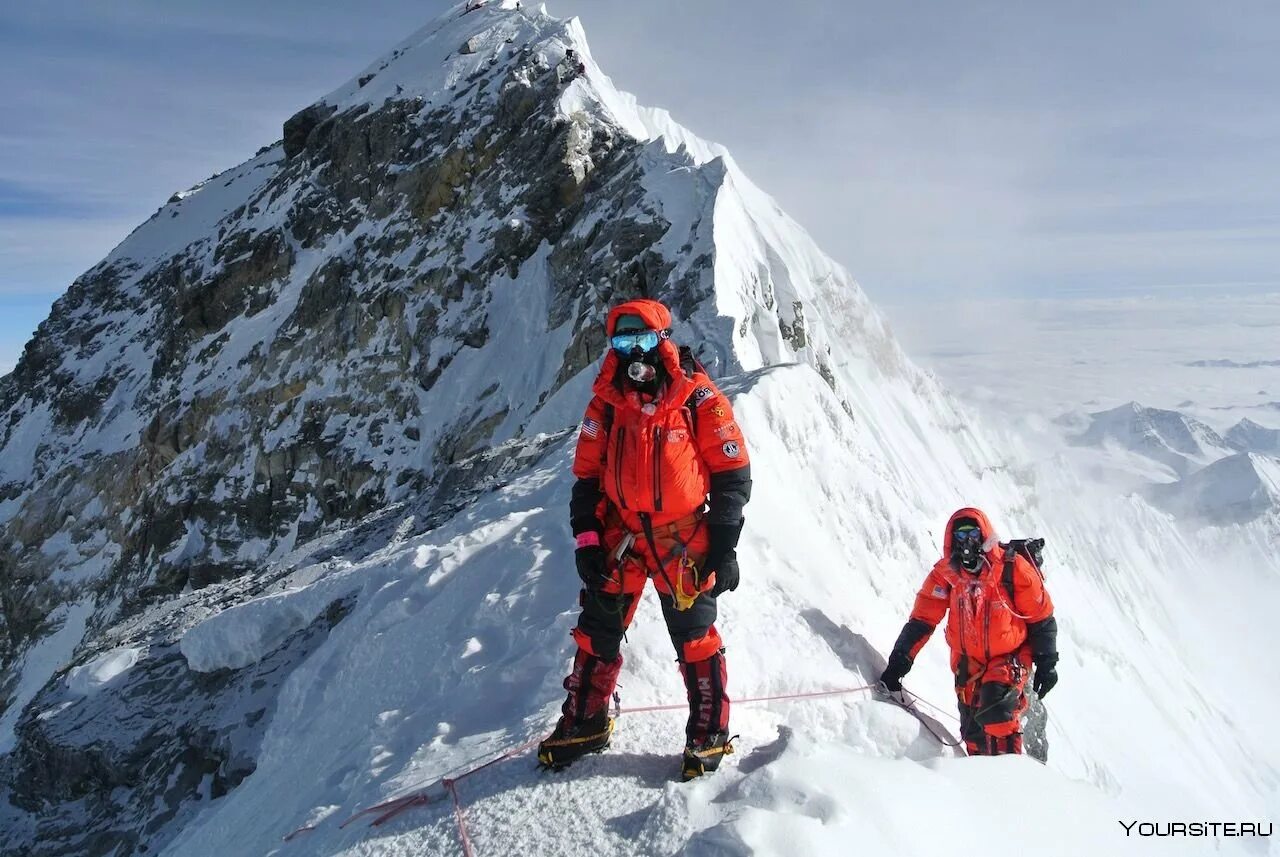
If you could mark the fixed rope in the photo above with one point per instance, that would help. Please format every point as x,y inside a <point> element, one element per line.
<point>463,834</point>
<point>944,712</point>
<point>448,786</point>
<point>747,700</point>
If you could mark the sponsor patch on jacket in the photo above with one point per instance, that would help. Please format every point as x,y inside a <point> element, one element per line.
<point>701,394</point>
<point>731,449</point>
<point>726,430</point>
<point>590,428</point>
<point>677,436</point>
<point>718,410</point>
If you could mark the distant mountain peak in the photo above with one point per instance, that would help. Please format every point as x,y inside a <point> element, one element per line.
<point>1237,489</point>
<point>1250,436</point>
<point>1169,437</point>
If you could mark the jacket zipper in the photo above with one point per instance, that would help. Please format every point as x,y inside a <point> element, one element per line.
<point>657,469</point>
<point>617,467</point>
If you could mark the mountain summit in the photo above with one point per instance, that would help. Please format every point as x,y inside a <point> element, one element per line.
<point>284,487</point>
<point>353,318</point>
<point>417,273</point>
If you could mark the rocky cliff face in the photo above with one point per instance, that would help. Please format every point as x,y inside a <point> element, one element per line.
<point>351,321</point>
<point>309,336</point>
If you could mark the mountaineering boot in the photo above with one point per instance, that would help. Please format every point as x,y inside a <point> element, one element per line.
<point>703,757</point>
<point>994,745</point>
<point>585,724</point>
<point>572,740</point>
<point>706,732</point>
<point>704,683</point>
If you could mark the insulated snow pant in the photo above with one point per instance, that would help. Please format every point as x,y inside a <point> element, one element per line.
<point>992,699</point>
<point>590,685</point>
<point>607,613</point>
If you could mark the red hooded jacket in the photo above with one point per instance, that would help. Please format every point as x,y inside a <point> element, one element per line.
<point>983,622</point>
<point>662,458</point>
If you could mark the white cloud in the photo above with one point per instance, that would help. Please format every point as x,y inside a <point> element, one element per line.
<point>1096,353</point>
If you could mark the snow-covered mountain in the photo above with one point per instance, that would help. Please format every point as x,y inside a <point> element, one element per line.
<point>1170,438</point>
<point>1239,489</point>
<point>1219,480</point>
<point>284,492</point>
<point>1234,490</point>
<point>1248,436</point>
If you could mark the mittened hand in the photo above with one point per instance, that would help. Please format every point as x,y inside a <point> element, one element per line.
<point>722,559</point>
<point>899,665</point>
<point>591,568</point>
<point>1046,677</point>
<point>726,574</point>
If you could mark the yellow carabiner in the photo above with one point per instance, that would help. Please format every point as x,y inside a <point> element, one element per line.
<point>684,599</point>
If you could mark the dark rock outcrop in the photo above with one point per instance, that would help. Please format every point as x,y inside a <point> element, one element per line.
<point>298,127</point>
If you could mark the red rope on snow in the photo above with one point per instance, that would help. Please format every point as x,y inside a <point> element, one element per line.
<point>782,696</point>
<point>507,755</point>
<point>288,837</point>
<point>463,833</point>
<point>809,694</point>
<point>392,808</point>
<point>640,709</point>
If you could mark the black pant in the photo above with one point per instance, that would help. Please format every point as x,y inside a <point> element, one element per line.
<point>605,618</point>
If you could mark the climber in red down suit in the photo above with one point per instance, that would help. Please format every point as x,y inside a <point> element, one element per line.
<point>663,475</point>
<point>1000,623</point>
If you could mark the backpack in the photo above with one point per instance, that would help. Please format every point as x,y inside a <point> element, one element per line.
<point>1031,550</point>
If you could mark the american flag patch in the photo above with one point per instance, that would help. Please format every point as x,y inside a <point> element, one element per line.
<point>939,592</point>
<point>590,428</point>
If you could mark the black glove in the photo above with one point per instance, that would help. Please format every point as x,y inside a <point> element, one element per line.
<point>726,574</point>
<point>722,557</point>
<point>1046,675</point>
<point>899,665</point>
<point>591,568</point>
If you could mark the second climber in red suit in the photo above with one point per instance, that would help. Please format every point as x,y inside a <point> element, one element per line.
<point>662,477</point>
<point>1000,624</point>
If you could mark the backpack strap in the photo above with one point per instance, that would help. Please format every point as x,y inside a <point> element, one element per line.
<point>1032,549</point>
<point>1006,576</point>
<point>690,365</point>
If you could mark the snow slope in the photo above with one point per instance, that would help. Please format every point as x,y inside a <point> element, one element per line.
<point>459,640</point>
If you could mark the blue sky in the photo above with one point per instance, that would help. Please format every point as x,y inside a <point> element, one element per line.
<point>936,149</point>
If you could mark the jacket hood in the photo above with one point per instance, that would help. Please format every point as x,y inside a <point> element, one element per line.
<point>657,317</point>
<point>655,314</point>
<point>990,540</point>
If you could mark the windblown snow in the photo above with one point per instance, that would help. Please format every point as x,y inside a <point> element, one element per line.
<point>451,643</point>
